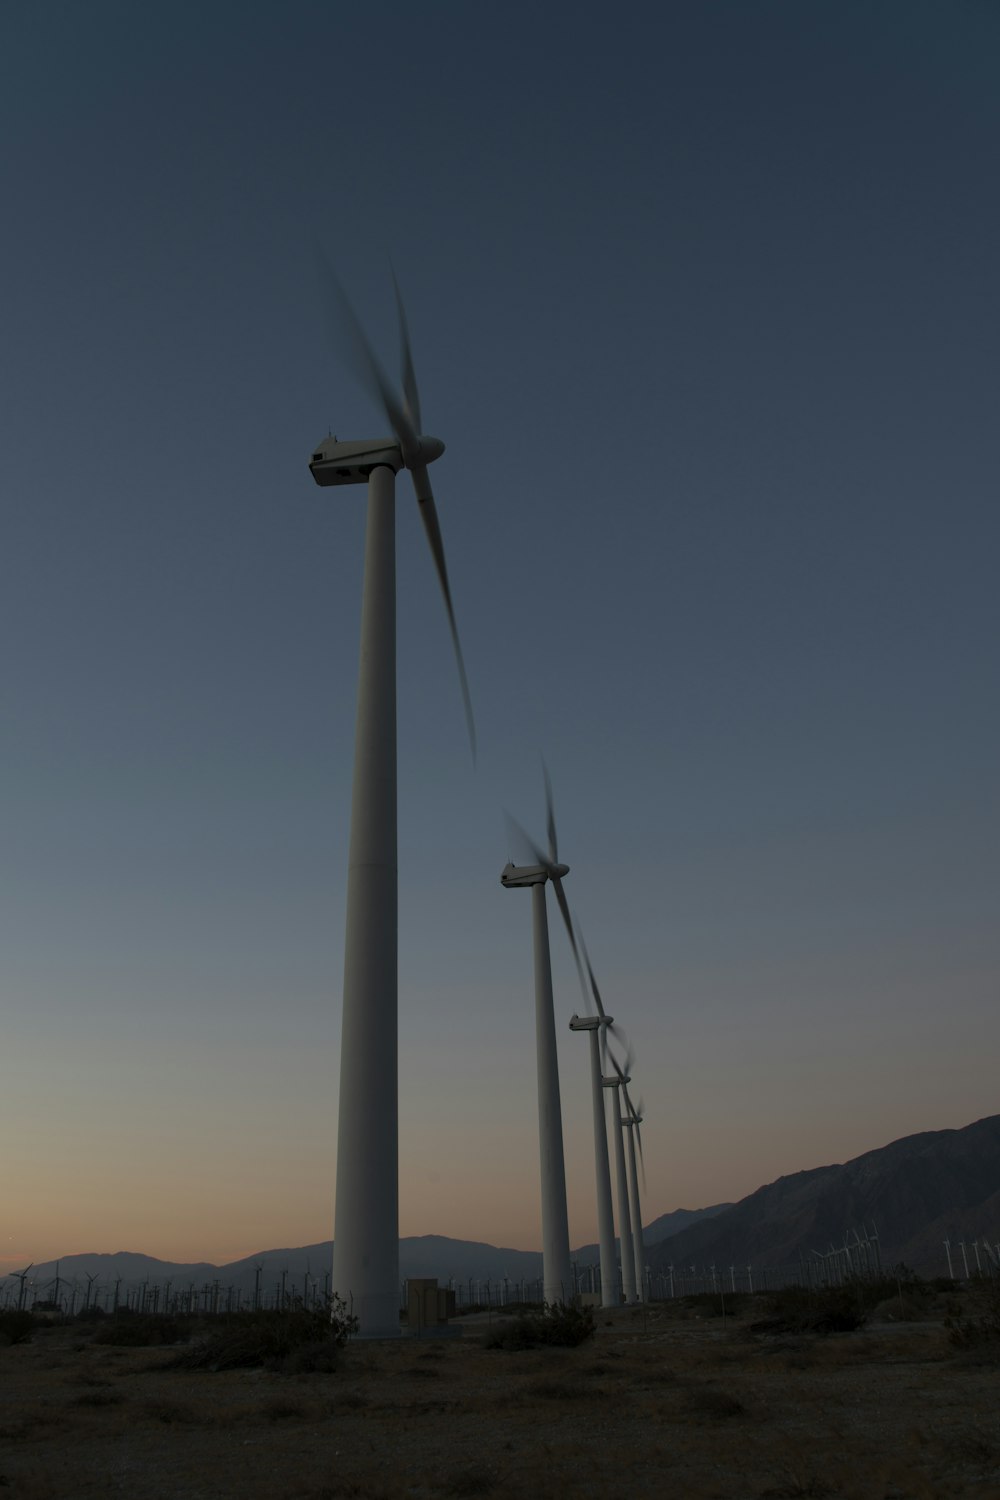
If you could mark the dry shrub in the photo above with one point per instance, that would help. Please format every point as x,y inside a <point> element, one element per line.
<point>142,1330</point>
<point>556,1325</point>
<point>290,1342</point>
<point>706,1401</point>
<point>352,1400</point>
<point>16,1326</point>
<point>978,1333</point>
<point>801,1310</point>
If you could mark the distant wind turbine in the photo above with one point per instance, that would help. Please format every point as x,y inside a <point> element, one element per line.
<point>598,1027</point>
<point>631,1121</point>
<point>616,1081</point>
<point>557,1274</point>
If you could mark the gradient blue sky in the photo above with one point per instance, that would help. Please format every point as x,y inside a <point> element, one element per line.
<point>705,304</point>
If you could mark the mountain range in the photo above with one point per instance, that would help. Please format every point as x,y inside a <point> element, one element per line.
<point>917,1192</point>
<point>421,1255</point>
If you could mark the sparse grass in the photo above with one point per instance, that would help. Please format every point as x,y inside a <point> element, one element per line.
<point>556,1326</point>
<point>143,1330</point>
<point>802,1310</point>
<point>292,1342</point>
<point>699,1414</point>
<point>977,1331</point>
<point>708,1401</point>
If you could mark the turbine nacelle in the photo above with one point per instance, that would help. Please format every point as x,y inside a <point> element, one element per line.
<point>334,462</point>
<point>514,876</point>
<point>615,1082</point>
<point>590,1023</point>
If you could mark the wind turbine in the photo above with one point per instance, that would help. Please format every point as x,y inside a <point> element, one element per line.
<point>598,1027</point>
<point>631,1121</point>
<point>366,1244</point>
<point>556,1269</point>
<point>617,1081</point>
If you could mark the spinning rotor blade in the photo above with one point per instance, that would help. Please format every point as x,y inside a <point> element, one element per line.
<point>557,886</point>
<point>366,364</point>
<point>593,982</point>
<point>635,1115</point>
<point>524,838</point>
<point>410,393</point>
<point>432,528</point>
<point>550,817</point>
<point>624,1068</point>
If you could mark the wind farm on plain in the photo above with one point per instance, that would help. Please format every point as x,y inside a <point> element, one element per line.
<point>366,1256</point>
<point>499,637</point>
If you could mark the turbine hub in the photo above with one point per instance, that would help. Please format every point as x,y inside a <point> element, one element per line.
<point>428,449</point>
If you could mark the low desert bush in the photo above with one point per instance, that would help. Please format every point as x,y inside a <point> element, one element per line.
<point>15,1326</point>
<point>707,1401</point>
<point>555,1326</point>
<point>292,1342</point>
<point>127,1330</point>
<point>801,1310</point>
<point>978,1329</point>
<point>716,1304</point>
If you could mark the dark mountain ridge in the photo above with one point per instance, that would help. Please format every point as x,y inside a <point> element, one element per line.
<point>419,1255</point>
<point>917,1191</point>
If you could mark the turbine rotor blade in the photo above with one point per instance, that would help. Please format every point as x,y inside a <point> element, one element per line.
<point>411,395</point>
<point>523,837</point>
<point>550,816</point>
<point>365,362</point>
<point>624,1068</point>
<point>593,982</point>
<point>432,528</point>
<point>557,886</point>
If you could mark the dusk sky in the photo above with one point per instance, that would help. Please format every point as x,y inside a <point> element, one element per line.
<point>705,304</point>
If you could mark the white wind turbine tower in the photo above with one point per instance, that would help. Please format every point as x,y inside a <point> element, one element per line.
<point>631,1121</point>
<point>598,1027</point>
<point>617,1081</point>
<point>556,1267</point>
<point>366,1230</point>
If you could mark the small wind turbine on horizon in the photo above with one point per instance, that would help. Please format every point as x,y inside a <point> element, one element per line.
<point>366,1245</point>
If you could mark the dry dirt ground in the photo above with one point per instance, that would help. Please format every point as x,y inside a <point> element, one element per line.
<point>665,1405</point>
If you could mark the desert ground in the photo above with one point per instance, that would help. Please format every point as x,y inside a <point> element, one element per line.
<point>672,1400</point>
